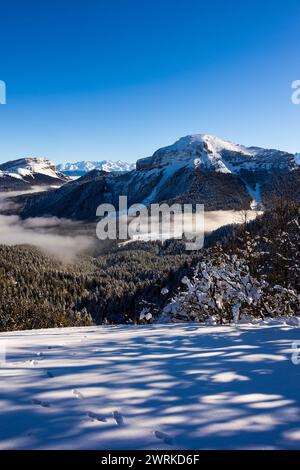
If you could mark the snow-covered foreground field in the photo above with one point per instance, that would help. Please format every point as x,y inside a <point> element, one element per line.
<point>159,387</point>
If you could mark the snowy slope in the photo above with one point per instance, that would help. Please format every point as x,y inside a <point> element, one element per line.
<point>80,168</point>
<point>176,386</point>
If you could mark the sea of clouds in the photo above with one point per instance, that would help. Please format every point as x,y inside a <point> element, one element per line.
<point>42,232</point>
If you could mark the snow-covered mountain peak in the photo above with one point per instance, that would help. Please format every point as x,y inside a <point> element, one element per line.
<point>212,153</point>
<point>28,166</point>
<point>212,143</point>
<point>30,171</point>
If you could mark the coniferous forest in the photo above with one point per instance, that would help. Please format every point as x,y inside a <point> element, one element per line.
<point>38,291</point>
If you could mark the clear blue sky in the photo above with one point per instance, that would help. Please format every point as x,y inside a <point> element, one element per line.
<point>116,79</point>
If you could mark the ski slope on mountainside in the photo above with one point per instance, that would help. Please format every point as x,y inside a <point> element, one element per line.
<point>180,386</point>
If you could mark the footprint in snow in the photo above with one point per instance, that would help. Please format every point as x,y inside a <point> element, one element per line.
<point>163,437</point>
<point>44,404</point>
<point>96,416</point>
<point>118,418</point>
<point>77,394</point>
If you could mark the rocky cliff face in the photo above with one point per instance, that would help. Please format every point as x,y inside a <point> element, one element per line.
<point>24,173</point>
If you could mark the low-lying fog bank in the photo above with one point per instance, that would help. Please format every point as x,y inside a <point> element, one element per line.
<point>211,221</point>
<point>62,238</point>
<point>216,219</point>
<point>66,239</point>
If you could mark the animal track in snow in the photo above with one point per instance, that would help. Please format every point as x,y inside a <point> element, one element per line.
<point>163,437</point>
<point>96,416</point>
<point>44,404</point>
<point>77,394</point>
<point>118,418</point>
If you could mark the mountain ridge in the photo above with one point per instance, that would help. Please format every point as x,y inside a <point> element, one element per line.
<point>212,152</point>
<point>197,168</point>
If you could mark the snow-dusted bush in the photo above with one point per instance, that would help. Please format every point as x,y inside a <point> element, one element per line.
<point>222,289</point>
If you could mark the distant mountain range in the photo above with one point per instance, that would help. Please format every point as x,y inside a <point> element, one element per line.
<point>24,173</point>
<point>196,169</point>
<point>81,168</point>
